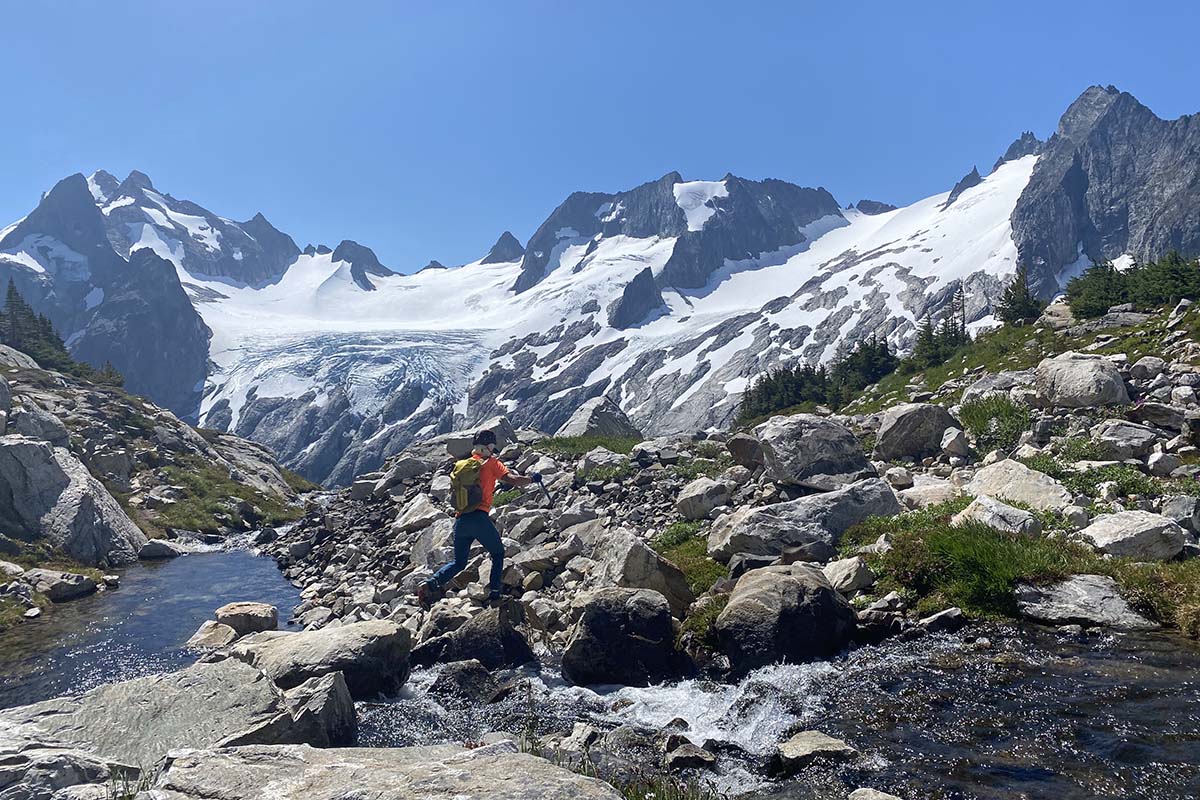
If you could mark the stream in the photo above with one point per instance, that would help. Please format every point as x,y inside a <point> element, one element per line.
<point>997,711</point>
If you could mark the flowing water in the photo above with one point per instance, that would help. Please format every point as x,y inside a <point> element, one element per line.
<point>995,712</point>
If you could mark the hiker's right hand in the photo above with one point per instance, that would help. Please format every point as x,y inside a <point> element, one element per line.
<point>536,477</point>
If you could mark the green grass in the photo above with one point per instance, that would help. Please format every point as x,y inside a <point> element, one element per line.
<point>578,445</point>
<point>607,474</point>
<point>11,613</point>
<point>995,421</point>
<point>976,568</point>
<point>207,490</point>
<point>700,624</point>
<point>1129,480</point>
<point>297,482</point>
<point>683,544</point>
<point>505,497</point>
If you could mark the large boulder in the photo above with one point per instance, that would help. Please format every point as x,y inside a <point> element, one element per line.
<point>912,431</point>
<point>1120,439</point>
<point>599,417</point>
<point>421,512</point>
<point>36,423</point>
<point>783,613</point>
<point>811,451</point>
<point>697,499</point>
<point>1013,481</point>
<point>1076,380</point>
<point>490,637</point>
<point>1000,516</point>
<point>59,586</point>
<point>625,560</point>
<point>745,450</point>
<point>47,493</point>
<point>206,705</point>
<point>998,383</point>
<point>624,636</point>
<point>815,522</point>
<point>440,772</point>
<point>1141,535</point>
<point>247,617</point>
<point>1080,600</point>
<point>373,655</point>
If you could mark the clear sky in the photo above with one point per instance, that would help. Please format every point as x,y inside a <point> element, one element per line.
<point>425,129</point>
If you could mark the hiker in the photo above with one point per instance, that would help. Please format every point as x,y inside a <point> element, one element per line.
<point>473,483</point>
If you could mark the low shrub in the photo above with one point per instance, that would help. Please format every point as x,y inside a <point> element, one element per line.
<point>995,421</point>
<point>683,544</point>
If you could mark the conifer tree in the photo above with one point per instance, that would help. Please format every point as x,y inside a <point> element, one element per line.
<point>1018,304</point>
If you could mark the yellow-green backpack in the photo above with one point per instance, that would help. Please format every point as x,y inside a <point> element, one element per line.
<point>466,493</point>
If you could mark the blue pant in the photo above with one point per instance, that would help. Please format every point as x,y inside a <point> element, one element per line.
<point>475,526</point>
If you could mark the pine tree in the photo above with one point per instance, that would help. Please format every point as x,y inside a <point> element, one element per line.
<point>1019,304</point>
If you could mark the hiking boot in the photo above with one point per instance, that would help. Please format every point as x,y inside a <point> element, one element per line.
<point>494,599</point>
<point>426,595</point>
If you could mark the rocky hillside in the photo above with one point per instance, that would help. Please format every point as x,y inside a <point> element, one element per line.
<point>94,477</point>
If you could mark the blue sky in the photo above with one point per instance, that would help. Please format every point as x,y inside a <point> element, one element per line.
<point>425,129</point>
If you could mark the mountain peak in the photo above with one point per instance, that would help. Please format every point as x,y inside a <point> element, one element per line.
<point>873,207</point>
<point>134,183</point>
<point>434,264</point>
<point>972,178</point>
<point>363,262</point>
<point>507,248</point>
<point>1024,145</point>
<point>103,185</point>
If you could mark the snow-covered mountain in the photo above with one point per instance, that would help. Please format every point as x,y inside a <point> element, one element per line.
<point>669,298</point>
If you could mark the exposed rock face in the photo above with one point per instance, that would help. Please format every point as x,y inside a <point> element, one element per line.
<point>1013,481</point>
<point>1025,145</point>
<point>489,638</point>
<point>373,656</point>
<point>873,207</point>
<point>59,586</point>
<point>206,705</point>
<point>46,493</point>
<point>786,613</point>
<point>1080,600</point>
<point>811,451</point>
<point>443,772</point>
<point>700,497</point>
<point>1140,535</point>
<point>507,248</point>
<point>968,181</point>
<point>912,431</point>
<point>625,560</point>
<point>1075,380</point>
<point>814,523</point>
<point>637,301</point>
<point>599,416</point>
<point>1113,179</point>
<point>624,636</point>
<point>363,262</point>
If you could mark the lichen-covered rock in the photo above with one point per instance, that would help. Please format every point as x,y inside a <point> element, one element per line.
<point>1013,481</point>
<point>1076,380</point>
<point>1140,535</point>
<point>811,451</point>
<point>1080,600</point>
<point>912,431</point>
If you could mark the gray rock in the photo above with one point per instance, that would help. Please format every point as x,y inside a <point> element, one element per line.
<point>956,443</point>
<point>816,521</point>
<point>400,470</point>
<point>373,656</point>
<point>1121,440</point>
<point>806,747</point>
<point>36,423</point>
<point>623,636</point>
<point>212,635</point>
<point>1080,600</point>
<point>745,450</point>
<point>1013,481</point>
<point>1000,516</point>
<point>697,499</point>
<point>421,512</point>
<point>912,431</point>
<point>624,560</point>
<point>811,451</point>
<point>1184,510</point>
<point>206,705</point>
<point>1147,368</point>
<point>998,383</point>
<point>51,494</point>
<point>464,681</point>
<point>1139,535</point>
<point>441,772</point>
<point>1076,380</point>
<point>59,586</point>
<point>849,575</point>
<point>15,358</point>
<point>159,549</point>
<point>246,617</point>
<point>599,416</point>
<point>638,300</point>
<point>784,613</point>
<point>1161,465</point>
<point>945,621</point>
<point>490,638</point>
<point>689,756</point>
<point>871,794</point>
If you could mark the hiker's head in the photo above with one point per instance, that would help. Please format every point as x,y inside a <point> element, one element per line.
<point>484,443</point>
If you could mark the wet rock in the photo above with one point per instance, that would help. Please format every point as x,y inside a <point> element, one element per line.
<point>52,496</point>
<point>815,521</point>
<point>999,516</point>
<point>912,431</point>
<point>247,617</point>
<point>159,549</point>
<point>945,621</point>
<point>811,451</point>
<point>466,681</point>
<point>1080,600</point>
<point>871,794</point>
<point>1013,481</point>
<point>59,586</point>
<point>689,756</point>
<point>806,747</point>
<point>1075,380</point>
<point>489,637</point>
<point>206,705</point>
<point>784,613</point>
<point>1141,535</point>
<point>599,417</point>
<point>497,772</point>
<point>624,636</point>
<point>373,656</point>
<point>697,499</point>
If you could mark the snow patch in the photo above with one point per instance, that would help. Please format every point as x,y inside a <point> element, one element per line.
<point>93,298</point>
<point>695,198</point>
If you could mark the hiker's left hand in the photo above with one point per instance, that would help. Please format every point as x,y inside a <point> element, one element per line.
<point>536,477</point>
